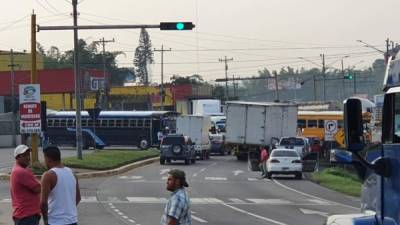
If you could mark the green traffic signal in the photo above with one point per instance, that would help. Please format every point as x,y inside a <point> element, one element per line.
<point>176,26</point>
<point>348,77</point>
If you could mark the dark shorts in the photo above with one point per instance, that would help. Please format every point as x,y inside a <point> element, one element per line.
<point>30,220</point>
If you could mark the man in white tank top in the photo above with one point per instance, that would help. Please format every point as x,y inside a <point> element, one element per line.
<point>60,191</point>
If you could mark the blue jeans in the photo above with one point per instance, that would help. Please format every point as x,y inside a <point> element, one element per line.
<point>30,220</point>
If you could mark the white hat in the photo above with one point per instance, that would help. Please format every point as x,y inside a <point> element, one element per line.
<point>20,149</point>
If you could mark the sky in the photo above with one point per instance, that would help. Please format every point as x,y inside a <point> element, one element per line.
<point>256,34</point>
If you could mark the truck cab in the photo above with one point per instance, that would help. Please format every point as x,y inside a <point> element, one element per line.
<point>378,168</point>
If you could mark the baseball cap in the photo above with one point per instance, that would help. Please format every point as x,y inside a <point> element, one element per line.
<point>20,149</point>
<point>179,174</point>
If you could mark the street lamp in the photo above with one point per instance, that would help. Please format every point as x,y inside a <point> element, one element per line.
<point>371,46</point>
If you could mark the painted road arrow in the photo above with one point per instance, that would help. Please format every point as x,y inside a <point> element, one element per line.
<point>310,212</point>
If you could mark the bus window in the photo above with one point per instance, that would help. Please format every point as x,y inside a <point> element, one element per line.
<point>321,123</point>
<point>84,122</point>
<point>301,123</point>
<point>111,123</point>
<point>132,123</point>
<point>312,123</point>
<point>147,123</point>
<point>70,123</point>
<point>97,123</point>
<point>50,123</point>
<point>140,123</point>
<point>118,123</point>
<point>104,123</point>
<point>56,123</point>
<point>90,123</point>
<point>125,123</point>
<point>63,123</point>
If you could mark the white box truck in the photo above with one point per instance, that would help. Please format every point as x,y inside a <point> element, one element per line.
<point>197,128</point>
<point>252,125</point>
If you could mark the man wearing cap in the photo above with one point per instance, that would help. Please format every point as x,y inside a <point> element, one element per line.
<point>177,210</point>
<point>25,189</point>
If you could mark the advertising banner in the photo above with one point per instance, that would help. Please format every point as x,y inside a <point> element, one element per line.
<point>29,108</point>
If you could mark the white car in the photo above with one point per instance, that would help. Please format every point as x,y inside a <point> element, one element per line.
<point>284,161</point>
<point>300,144</point>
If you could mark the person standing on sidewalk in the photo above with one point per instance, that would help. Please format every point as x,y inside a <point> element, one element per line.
<point>263,164</point>
<point>25,189</point>
<point>177,211</point>
<point>60,191</point>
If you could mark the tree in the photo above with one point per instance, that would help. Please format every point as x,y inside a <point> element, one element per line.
<point>143,56</point>
<point>193,79</point>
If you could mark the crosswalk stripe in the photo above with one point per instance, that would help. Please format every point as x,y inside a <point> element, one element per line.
<point>236,200</point>
<point>88,199</point>
<point>146,199</point>
<point>215,178</point>
<point>269,201</point>
<point>317,201</point>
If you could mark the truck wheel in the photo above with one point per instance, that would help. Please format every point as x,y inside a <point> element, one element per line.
<point>162,161</point>
<point>269,175</point>
<point>222,152</point>
<point>187,162</point>
<point>143,144</point>
<point>207,155</point>
<point>298,176</point>
<point>193,161</point>
<point>168,160</point>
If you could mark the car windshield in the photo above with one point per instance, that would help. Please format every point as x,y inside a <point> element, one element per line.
<point>283,153</point>
<point>292,141</point>
<point>173,140</point>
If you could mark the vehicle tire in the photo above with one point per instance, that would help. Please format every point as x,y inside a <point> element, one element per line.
<point>162,161</point>
<point>222,152</point>
<point>187,162</point>
<point>202,156</point>
<point>269,175</point>
<point>143,144</point>
<point>193,161</point>
<point>168,160</point>
<point>207,155</point>
<point>298,176</point>
<point>176,149</point>
<point>253,166</point>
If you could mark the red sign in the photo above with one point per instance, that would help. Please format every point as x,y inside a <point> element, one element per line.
<point>30,111</point>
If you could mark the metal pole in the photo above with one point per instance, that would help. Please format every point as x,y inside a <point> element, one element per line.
<point>13,106</point>
<point>344,88</point>
<point>276,87</point>
<point>162,78</point>
<point>355,83</point>
<point>315,89</point>
<point>323,74</point>
<point>77,83</point>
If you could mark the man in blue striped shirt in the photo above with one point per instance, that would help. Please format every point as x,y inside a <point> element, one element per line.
<point>177,210</point>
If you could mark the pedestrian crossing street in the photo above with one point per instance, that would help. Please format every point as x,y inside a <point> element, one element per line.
<point>198,201</point>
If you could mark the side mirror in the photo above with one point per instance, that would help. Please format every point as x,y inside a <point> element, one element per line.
<point>353,125</point>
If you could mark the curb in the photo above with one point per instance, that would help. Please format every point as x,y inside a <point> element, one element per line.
<point>104,173</point>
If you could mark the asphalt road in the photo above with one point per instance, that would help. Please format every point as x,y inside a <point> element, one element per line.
<point>222,191</point>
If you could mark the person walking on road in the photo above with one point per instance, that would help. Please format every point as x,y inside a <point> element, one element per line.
<point>177,211</point>
<point>263,164</point>
<point>60,191</point>
<point>25,189</point>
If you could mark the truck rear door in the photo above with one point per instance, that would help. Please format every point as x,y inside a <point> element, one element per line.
<point>235,123</point>
<point>255,125</point>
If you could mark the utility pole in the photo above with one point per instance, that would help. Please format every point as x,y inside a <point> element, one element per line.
<point>344,87</point>
<point>77,82</point>
<point>105,79</point>
<point>276,87</point>
<point>162,92</point>
<point>355,82</point>
<point>226,60</point>
<point>324,75</point>
<point>234,87</point>
<point>34,79</point>
<point>13,103</point>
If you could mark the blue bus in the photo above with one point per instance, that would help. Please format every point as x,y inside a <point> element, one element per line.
<point>137,128</point>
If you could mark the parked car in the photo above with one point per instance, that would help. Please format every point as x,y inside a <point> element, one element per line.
<point>177,147</point>
<point>284,161</point>
<point>300,144</point>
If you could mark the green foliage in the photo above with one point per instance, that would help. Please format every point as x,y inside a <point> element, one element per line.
<point>193,79</point>
<point>340,180</point>
<point>109,159</point>
<point>143,56</point>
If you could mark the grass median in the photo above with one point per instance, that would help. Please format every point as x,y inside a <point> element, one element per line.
<point>338,179</point>
<point>109,159</point>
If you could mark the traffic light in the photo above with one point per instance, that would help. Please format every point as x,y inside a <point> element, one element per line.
<point>176,26</point>
<point>348,76</point>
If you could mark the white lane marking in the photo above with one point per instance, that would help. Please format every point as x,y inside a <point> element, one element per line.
<point>205,200</point>
<point>309,212</point>
<point>237,172</point>
<point>312,196</point>
<point>88,199</point>
<point>318,201</point>
<point>164,178</point>
<point>116,210</point>
<point>236,200</point>
<point>120,213</point>
<point>269,201</point>
<point>132,221</point>
<point>136,177</point>
<point>113,199</point>
<point>147,200</point>
<point>254,215</point>
<point>123,177</point>
<point>202,170</point>
<point>6,200</point>
<point>199,219</point>
<point>125,217</point>
<point>252,179</point>
<point>164,171</point>
<point>215,178</point>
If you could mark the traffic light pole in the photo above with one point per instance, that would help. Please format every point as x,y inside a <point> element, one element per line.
<point>75,28</point>
<point>162,94</point>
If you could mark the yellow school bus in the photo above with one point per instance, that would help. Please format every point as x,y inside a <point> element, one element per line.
<point>312,123</point>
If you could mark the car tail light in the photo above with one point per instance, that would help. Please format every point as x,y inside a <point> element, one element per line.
<point>274,161</point>
<point>296,161</point>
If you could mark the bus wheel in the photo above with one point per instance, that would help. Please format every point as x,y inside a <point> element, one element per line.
<point>143,144</point>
